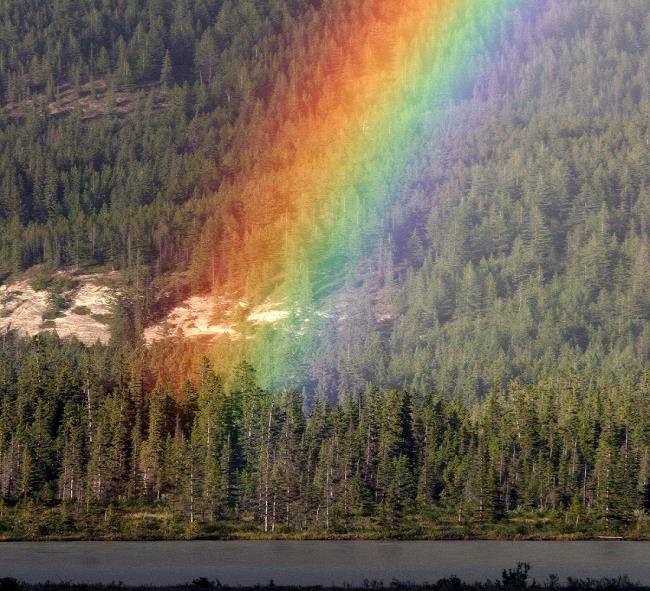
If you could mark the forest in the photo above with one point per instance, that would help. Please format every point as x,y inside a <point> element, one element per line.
<point>124,184</point>
<point>489,377</point>
<point>532,208</point>
<point>87,452</point>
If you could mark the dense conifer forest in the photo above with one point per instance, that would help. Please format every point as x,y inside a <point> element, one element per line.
<point>87,451</point>
<point>511,394</point>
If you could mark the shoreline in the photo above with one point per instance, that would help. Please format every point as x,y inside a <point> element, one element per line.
<point>320,538</point>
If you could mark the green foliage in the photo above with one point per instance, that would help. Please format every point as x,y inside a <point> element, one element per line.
<point>520,239</point>
<point>125,184</point>
<point>79,433</point>
<point>516,270</point>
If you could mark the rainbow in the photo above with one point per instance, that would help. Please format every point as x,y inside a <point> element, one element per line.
<point>324,163</point>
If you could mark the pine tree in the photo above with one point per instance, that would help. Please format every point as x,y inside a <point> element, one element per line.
<point>166,70</point>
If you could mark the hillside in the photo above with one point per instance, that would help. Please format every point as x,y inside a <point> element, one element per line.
<point>516,244</point>
<point>320,268</point>
<point>520,246</point>
<point>117,121</point>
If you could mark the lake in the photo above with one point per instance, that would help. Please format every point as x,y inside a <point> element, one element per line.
<point>249,563</point>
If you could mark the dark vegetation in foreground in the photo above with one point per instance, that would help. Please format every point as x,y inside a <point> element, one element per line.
<point>88,451</point>
<point>516,579</point>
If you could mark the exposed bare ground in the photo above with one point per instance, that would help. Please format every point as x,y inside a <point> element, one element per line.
<point>194,317</point>
<point>22,309</point>
<point>92,100</point>
<point>213,317</point>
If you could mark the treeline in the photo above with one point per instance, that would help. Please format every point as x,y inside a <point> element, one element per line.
<point>82,435</point>
<point>512,579</point>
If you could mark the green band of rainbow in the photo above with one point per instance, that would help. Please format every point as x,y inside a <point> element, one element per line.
<point>371,96</point>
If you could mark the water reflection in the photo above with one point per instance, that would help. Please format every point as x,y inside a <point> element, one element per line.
<point>310,563</point>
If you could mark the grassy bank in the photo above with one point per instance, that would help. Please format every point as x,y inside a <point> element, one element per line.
<point>30,522</point>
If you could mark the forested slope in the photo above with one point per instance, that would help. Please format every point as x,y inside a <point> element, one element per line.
<point>118,121</point>
<point>520,242</point>
<point>504,311</point>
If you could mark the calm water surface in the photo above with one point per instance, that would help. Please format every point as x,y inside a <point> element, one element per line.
<point>248,563</point>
